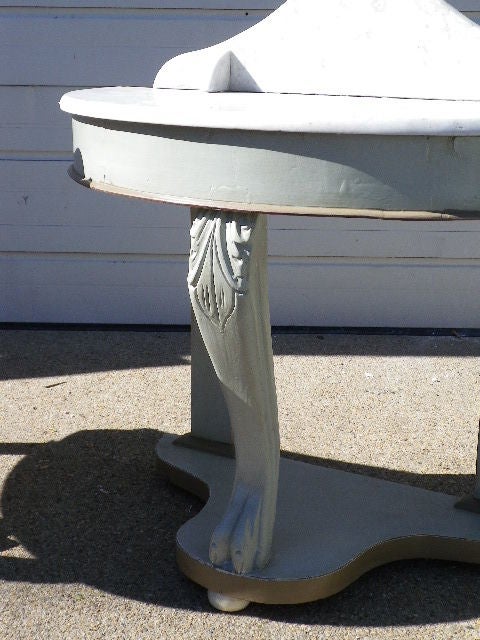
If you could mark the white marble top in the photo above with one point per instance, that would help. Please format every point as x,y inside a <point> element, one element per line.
<point>399,67</point>
<point>277,112</point>
<point>384,48</point>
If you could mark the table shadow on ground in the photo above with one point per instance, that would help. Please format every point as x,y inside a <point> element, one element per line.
<point>93,509</point>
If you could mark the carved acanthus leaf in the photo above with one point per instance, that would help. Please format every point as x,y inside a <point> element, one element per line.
<point>219,262</point>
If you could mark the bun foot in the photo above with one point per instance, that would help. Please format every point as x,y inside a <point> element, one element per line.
<point>226,603</point>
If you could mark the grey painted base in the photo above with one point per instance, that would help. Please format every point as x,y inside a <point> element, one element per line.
<point>332,526</point>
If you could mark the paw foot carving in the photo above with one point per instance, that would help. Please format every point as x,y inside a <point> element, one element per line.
<point>243,537</point>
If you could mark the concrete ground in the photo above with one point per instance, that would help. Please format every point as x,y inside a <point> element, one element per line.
<point>87,535</point>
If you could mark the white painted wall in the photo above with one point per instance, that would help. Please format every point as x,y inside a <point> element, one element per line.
<point>70,255</point>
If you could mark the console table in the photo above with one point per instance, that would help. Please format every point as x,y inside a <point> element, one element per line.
<point>280,120</point>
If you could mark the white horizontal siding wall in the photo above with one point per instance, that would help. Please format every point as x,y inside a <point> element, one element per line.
<point>70,255</point>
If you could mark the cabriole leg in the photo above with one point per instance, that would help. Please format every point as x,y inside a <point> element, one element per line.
<point>228,290</point>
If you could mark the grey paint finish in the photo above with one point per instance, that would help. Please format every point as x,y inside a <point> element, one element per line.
<point>209,412</point>
<point>328,523</point>
<point>310,170</point>
<point>227,282</point>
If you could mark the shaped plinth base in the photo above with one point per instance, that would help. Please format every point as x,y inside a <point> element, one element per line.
<point>332,526</point>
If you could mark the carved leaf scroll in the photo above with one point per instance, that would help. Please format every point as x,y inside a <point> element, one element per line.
<point>219,263</point>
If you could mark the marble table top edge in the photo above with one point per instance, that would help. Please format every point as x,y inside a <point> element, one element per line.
<point>305,113</point>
